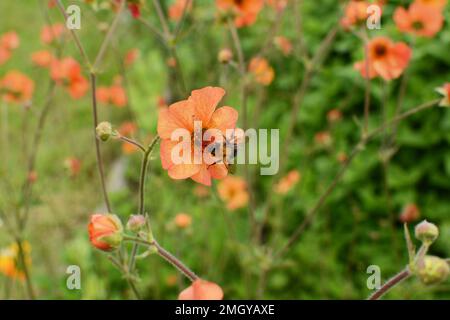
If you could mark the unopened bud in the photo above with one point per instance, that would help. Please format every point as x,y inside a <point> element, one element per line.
<point>104,131</point>
<point>432,270</point>
<point>426,232</point>
<point>136,222</point>
<point>225,56</point>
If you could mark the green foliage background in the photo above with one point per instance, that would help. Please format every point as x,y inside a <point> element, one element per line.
<point>352,231</point>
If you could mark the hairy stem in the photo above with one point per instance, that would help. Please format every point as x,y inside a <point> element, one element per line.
<point>395,280</point>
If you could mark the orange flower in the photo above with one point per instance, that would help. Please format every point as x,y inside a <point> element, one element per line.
<point>131,56</point>
<point>410,213</point>
<point>386,59</point>
<point>42,58</point>
<point>261,70</point>
<point>233,191</point>
<point>9,260</point>
<point>10,40</point>
<point>16,87</point>
<point>199,107</point>
<point>284,44</point>
<point>183,220</point>
<point>355,13</point>
<point>117,95</point>
<point>128,128</point>
<point>52,32</point>
<point>334,115</point>
<point>445,91</point>
<point>439,4</point>
<point>323,138</point>
<point>177,9</point>
<point>67,72</point>
<point>287,182</point>
<point>105,231</point>
<point>102,94</point>
<point>73,166</point>
<point>201,290</point>
<point>245,11</point>
<point>419,19</point>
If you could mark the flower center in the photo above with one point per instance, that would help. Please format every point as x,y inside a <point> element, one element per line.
<point>417,25</point>
<point>380,50</point>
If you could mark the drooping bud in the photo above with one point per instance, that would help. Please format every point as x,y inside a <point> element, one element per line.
<point>225,56</point>
<point>201,290</point>
<point>136,222</point>
<point>426,232</point>
<point>432,270</point>
<point>104,130</point>
<point>105,231</point>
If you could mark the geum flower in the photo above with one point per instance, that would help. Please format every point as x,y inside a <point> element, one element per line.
<point>233,191</point>
<point>420,20</point>
<point>356,13</point>
<point>261,70</point>
<point>67,72</point>
<point>197,113</point>
<point>386,59</point>
<point>15,87</point>
<point>8,42</point>
<point>105,231</point>
<point>10,262</point>
<point>245,11</point>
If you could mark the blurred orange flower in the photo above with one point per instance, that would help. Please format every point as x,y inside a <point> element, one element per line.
<point>67,72</point>
<point>334,115</point>
<point>440,4</point>
<point>182,220</point>
<point>410,213</point>
<point>287,182</point>
<point>421,20</point>
<point>51,33</point>
<point>73,166</point>
<point>8,42</point>
<point>200,106</point>
<point>233,191</point>
<point>386,59</point>
<point>42,58</point>
<point>177,9</point>
<point>9,260</point>
<point>323,138</point>
<point>131,56</point>
<point>16,87</point>
<point>355,13</point>
<point>445,91</point>
<point>245,11</point>
<point>201,191</point>
<point>117,95</point>
<point>105,231</point>
<point>201,290</point>
<point>261,70</point>
<point>284,44</point>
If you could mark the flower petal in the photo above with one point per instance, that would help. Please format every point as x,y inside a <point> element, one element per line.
<point>167,124</point>
<point>218,171</point>
<point>184,112</point>
<point>224,118</point>
<point>203,176</point>
<point>183,171</point>
<point>205,101</point>
<point>166,153</point>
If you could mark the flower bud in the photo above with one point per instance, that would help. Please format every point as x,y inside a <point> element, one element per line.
<point>104,131</point>
<point>105,231</point>
<point>432,270</point>
<point>136,222</point>
<point>426,232</point>
<point>225,55</point>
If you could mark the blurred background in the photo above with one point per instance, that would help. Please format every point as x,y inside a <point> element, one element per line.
<point>360,223</point>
